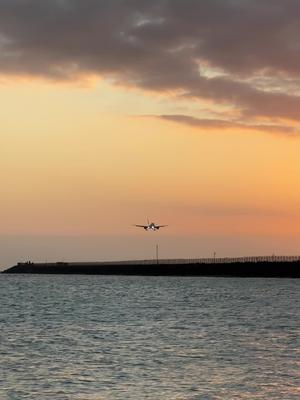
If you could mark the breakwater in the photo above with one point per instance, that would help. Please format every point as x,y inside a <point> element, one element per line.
<point>269,266</point>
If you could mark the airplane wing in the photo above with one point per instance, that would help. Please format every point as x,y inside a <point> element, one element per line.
<point>141,226</point>
<point>160,226</point>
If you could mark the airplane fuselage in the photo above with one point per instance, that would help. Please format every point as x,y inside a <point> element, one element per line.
<point>151,227</point>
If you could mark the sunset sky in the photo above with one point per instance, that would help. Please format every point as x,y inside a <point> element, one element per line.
<point>181,111</point>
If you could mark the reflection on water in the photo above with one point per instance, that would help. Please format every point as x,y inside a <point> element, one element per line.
<point>97,337</point>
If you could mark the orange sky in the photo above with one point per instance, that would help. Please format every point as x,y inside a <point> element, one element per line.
<point>82,161</point>
<point>114,114</point>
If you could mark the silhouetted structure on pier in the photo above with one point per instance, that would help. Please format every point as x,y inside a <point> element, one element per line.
<point>265,266</point>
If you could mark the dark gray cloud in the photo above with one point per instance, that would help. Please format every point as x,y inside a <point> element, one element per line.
<point>252,46</point>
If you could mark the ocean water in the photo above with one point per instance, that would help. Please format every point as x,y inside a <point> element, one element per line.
<point>100,337</point>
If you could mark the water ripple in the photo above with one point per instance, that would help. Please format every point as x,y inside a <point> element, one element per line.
<point>95,338</point>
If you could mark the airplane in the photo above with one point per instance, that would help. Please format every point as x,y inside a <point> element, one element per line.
<point>151,226</point>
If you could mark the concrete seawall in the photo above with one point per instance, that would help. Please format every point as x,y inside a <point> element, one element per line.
<point>288,269</point>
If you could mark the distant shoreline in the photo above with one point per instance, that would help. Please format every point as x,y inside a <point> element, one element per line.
<point>276,269</point>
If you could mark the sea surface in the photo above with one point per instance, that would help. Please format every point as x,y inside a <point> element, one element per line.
<point>100,337</point>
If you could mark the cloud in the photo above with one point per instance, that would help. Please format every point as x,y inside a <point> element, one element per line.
<point>164,45</point>
<point>224,124</point>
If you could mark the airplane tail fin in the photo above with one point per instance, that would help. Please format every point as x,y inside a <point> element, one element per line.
<point>148,221</point>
